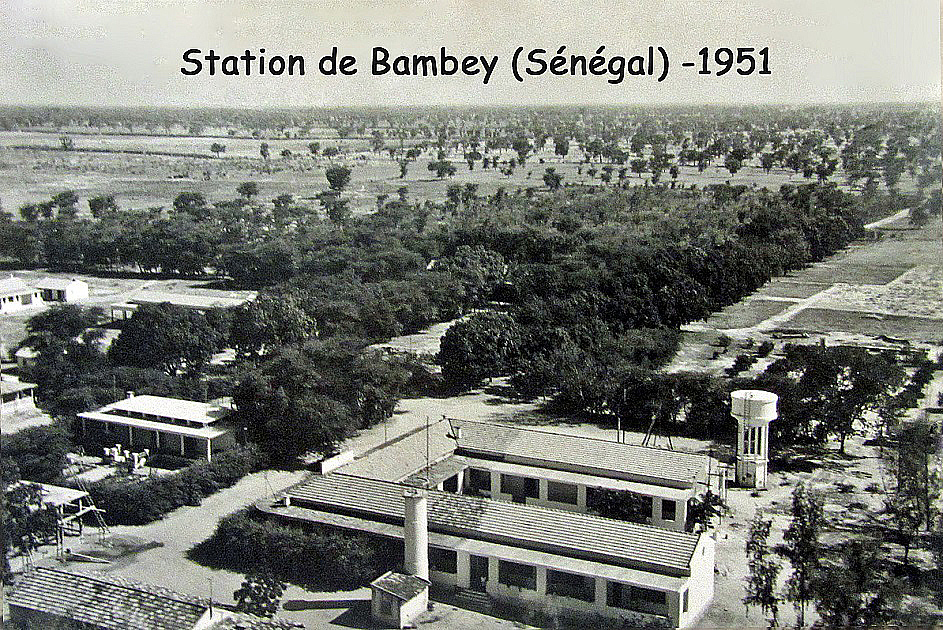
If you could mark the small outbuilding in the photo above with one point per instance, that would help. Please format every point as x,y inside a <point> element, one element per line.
<point>62,289</point>
<point>398,598</point>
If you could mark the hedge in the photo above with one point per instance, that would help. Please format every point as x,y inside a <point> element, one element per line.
<point>142,501</point>
<point>307,556</point>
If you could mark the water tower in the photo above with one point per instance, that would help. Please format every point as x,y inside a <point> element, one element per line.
<point>754,410</point>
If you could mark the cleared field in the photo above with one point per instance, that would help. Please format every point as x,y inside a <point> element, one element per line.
<point>827,320</point>
<point>746,313</point>
<point>139,181</point>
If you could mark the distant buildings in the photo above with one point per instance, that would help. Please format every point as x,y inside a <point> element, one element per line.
<point>198,302</point>
<point>16,294</point>
<point>164,425</point>
<point>47,598</point>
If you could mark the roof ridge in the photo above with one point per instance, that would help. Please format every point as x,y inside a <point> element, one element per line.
<point>517,506</point>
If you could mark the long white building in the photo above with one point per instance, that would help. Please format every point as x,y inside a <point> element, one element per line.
<point>560,562</point>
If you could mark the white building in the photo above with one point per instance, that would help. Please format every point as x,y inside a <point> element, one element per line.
<point>564,563</point>
<point>165,425</point>
<point>16,294</point>
<point>62,289</point>
<point>199,302</point>
<point>565,471</point>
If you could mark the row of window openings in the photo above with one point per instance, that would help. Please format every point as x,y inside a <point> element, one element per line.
<point>527,487</point>
<point>753,441</point>
<point>565,584</point>
<point>138,415</point>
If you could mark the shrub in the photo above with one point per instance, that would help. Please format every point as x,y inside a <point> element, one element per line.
<point>138,502</point>
<point>765,348</point>
<point>307,556</point>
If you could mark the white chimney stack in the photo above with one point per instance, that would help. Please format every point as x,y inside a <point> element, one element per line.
<point>754,409</point>
<point>416,533</point>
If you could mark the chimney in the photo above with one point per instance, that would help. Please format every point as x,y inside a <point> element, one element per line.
<point>416,533</point>
<point>129,394</point>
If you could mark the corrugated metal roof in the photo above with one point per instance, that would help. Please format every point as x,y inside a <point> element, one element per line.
<point>105,601</point>
<point>541,529</point>
<point>580,454</point>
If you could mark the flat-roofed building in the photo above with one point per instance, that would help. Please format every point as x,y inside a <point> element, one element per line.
<point>62,289</point>
<point>47,598</point>
<point>165,425</point>
<point>17,397</point>
<point>566,471</point>
<point>16,294</point>
<point>577,565</point>
<point>195,301</point>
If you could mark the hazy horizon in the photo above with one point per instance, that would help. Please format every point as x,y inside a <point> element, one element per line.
<point>116,53</point>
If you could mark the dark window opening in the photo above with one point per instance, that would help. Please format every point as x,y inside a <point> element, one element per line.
<point>562,492</point>
<point>443,560</point>
<point>566,584</point>
<point>517,574</point>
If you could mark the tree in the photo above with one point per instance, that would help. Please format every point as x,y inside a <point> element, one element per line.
<point>703,510</point>
<point>61,322</point>
<point>259,594</point>
<point>802,548</point>
<point>66,201</point>
<point>442,168</point>
<point>193,204</point>
<point>264,150</point>
<point>733,164</point>
<point>314,148</point>
<point>66,143</point>
<point>166,337</point>
<point>286,153</point>
<point>218,148</point>
<point>337,177</point>
<point>552,179</point>
<point>271,321</point>
<point>561,146</point>
<point>855,590</point>
<point>763,570</point>
<point>248,190</point>
<point>485,344</point>
<point>101,205</point>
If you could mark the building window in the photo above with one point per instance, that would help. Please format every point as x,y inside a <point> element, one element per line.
<point>684,601</point>
<point>517,574</point>
<point>479,480</point>
<point>519,487</point>
<point>443,560</point>
<point>561,492</point>
<point>567,584</point>
<point>668,510</point>
<point>637,598</point>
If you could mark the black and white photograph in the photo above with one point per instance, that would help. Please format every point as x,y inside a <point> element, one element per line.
<point>471,314</point>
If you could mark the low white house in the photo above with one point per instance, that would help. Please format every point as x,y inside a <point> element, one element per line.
<point>62,289</point>
<point>16,294</point>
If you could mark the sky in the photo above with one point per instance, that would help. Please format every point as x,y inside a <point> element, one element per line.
<point>129,52</point>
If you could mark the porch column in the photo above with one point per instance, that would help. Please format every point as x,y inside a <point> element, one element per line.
<point>181,445</point>
<point>130,437</point>
<point>209,450</point>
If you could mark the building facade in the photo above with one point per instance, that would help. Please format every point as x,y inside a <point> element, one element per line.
<point>563,563</point>
<point>185,428</point>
